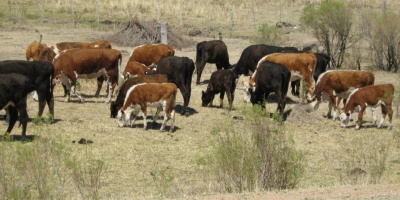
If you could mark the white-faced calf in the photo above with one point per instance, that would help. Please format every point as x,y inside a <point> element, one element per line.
<point>369,96</point>
<point>139,97</point>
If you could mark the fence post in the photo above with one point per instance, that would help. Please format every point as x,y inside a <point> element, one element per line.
<point>164,33</point>
<point>97,11</point>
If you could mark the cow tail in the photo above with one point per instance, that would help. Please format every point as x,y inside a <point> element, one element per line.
<point>199,47</point>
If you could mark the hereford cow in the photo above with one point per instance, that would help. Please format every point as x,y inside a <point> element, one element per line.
<point>214,51</point>
<point>302,66</point>
<point>221,81</point>
<point>179,70</point>
<point>135,68</point>
<point>123,89</point>
<point>322,63</point>
<point>139,97</point>
<point>339,83</point>
<point>151,54</point>
<point>40,73</point>
<point>87,63</point>
<point>269,77</point>
<point>33,50</point>
<point>252,54</point>
<point>369,96</point>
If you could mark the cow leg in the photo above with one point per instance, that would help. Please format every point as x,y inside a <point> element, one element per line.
<point>166,118</point>
<point>73,89</point>
<point>13,118</point>
<point>65,90</point>
<point>230,97</point>
<point>374,117</point>
<point>389,109</point>
<point>221,99</point>
<point>110,89</point>
<point>100,81</point>
<point>144,111</point>
<point>186,98</point>
<point>23,117</point>
<point>199,68</point>
<point>295,85</point>
<point>133,116</point>
<point>172,114</point>
<point>360,115</point>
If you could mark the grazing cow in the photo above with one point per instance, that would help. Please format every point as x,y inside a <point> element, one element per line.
<point>221,81</point>
<point>270,77</point>
<point>179,70</point>
<point>252,54</point>
<point>123,89</point>
<point>40,73</point>
<point>339,83</point>
<point>214,51</point>
<point>34,49</point>
<point>135,68</point>
<point>139,97</point>
<point>151,54</point>
<point>322,63</point>
<point>87,63</point>
<point>14,89</point>
<point>369,96</point>
<point>302,66</point>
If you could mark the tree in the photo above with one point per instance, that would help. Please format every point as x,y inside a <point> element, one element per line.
<point>382,32</point>
<point>331,23</point>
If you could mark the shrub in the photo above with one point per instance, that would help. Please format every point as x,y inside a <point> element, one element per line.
<point>270,35</point>
<point>263,159</point>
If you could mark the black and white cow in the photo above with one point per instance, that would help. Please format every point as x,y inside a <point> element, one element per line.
<point>221,81</point>
<point>14,89</point>
<point>40,74</point>
<point>270,77</point>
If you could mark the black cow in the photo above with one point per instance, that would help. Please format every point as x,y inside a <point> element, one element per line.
<point>14,89</point>
<point>214,51</point>
<point>271,77</point>
<point>252,54</point>
<point>179,70</point>
<point>221,81</point>
<point>322,63</point>
<point>40,73</point>
<point>119,101</point>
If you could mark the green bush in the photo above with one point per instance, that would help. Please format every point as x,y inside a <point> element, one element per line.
<point>270,35</point>
<point>261,157</point>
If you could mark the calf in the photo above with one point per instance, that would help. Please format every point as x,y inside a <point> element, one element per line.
<point>123,89</point>
<point>369,96</point>
<point>214,51</point>
<point>135,68</point>
<point>139,97</point>
<point>33,50</point>
<point>270,77</point>
<point>179,70</point>
<point>14,89</point>
<point>221,81</point>
<point>339,83</point>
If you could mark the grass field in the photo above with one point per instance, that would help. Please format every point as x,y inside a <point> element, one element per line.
<point>140,164</point>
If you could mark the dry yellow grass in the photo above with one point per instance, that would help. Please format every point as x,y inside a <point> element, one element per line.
<point>151,164</point>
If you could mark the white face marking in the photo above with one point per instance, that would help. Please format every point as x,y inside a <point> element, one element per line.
<point>344,119</point>
<point>246,93</point>
<point>96,46</point>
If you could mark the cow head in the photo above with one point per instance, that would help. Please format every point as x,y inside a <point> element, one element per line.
<point>206,98</point>
<point>249,88</point>
<point>344,119</point>
<point>124,118</point>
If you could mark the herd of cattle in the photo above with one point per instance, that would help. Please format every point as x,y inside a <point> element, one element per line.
<point>153,74</point>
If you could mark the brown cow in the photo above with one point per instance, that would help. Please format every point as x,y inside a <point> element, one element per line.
<point>339,83</point>
<point>369,96</point>
<point>33,50</point>
<point>87,63</point>
<point>50,52</point>
<point>139,97</point>
<point>301,66</point>
<point>123,89</point>
<point>135,68</point>
<point>151,54</point>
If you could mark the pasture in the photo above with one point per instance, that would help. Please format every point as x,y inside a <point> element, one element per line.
<point>149,164</point>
